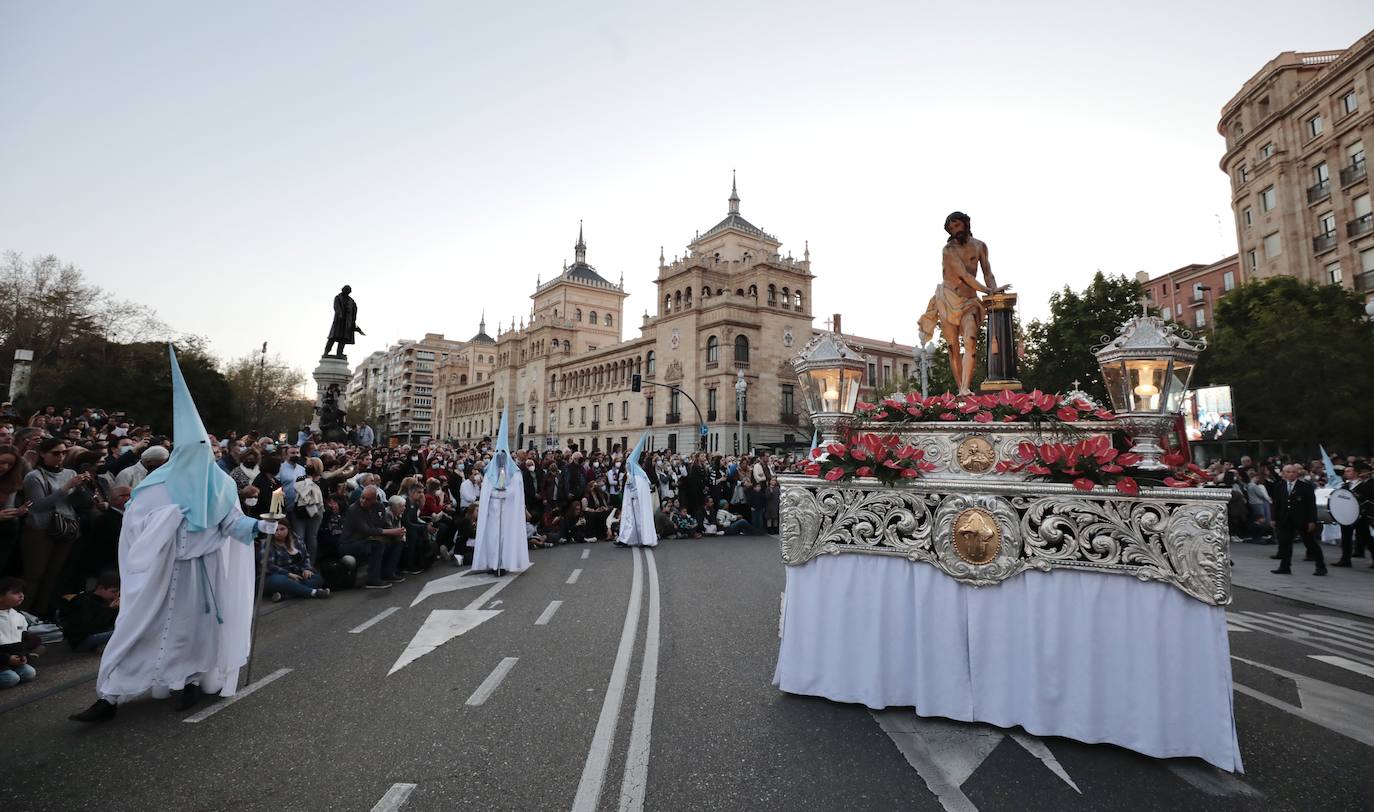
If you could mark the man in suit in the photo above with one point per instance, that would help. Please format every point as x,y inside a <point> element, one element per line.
<point>1350,477</point>
<point>1364,491</point>
<point>1296,515</point>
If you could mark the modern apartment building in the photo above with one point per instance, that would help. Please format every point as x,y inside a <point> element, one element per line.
<point>1189,294</point>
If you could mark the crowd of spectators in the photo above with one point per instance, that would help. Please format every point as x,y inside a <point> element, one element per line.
<point>353,510</point>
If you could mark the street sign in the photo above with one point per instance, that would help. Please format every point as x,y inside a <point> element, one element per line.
<point>704,432</point>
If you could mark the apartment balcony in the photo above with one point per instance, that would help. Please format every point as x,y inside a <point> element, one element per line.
<point>788,418</point>
<point>710,415</point>
<point>672,418</point>
<point>596,424</point>
<point>1364,283</point>
<point>1352,173</point>
<point>1359,226</point>
<point>1324,242</point>
<point>1318,191</point>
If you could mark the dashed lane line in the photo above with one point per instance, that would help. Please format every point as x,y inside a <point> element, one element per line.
<point>244,692</point>
<point>395,798</point>
<point>547,614</point>
<point>492,682</point>
<point>572,579</point>
<point>382,615</point>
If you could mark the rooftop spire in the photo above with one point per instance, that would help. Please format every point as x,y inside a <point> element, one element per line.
<point>734,194</point>
<point>482,325</point>
<point>580,250</point>
<point>806,255</point>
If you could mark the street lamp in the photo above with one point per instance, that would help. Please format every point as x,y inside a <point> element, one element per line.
<point>740,386</point>
<point>925,355</point>
<point>830,372</point>
<point>1146,370</point>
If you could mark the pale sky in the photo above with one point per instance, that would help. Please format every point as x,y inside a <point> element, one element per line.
<point>234,166</point>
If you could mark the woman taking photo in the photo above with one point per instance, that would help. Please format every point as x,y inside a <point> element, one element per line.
<point>53,524</point>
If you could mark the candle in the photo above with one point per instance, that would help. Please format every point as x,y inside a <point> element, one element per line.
<point>278,500</point>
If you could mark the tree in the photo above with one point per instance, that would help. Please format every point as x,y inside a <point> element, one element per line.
<point>1296,356</point>
<point>1059,351</point>
<point>267,392</point>
<point>134,378</point>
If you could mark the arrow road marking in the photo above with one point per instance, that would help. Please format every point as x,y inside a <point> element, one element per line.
<point>1340,710</point>
<point>455,582</point>
<point>441,626</point>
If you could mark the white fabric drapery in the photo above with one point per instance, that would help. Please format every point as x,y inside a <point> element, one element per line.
<point>1094,657</point>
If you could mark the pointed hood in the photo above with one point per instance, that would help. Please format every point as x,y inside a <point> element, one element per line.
<point>500,454</point>
<point>815,438</point>
<point>632,461</point>
<point>200,487</point>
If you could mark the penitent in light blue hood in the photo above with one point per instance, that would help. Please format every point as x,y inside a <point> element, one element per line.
<point>201,488</point>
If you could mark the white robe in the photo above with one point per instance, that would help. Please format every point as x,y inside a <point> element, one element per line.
<point>637,512</point>
<point>502,541</point>
<point>186,602</point>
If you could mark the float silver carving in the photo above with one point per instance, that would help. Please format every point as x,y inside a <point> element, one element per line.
<point>1175,536</point>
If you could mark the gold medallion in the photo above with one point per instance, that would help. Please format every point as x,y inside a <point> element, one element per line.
<point>975,454</point>
<point>977,536</point>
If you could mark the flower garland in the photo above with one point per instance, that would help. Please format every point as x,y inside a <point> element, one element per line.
<point>1003,407</point>
<point>1093,461</point>
<point>886,459</point>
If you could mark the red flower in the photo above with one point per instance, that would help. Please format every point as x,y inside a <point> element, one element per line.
<point>836,449</point>
<point>1128,460</point>
<point>813,469</point>
<point>892,404</point>
<point>880,415</point>
<point>970,407</point>
<point>914,411</point>
<point>880,454</point>
<point>1128,486</point>
<point>863,471</point>
<point>983,417</point>
<point>1178,483</point>
<point>1104,414</point>
<point>864,407</point>
<point>1174,459</point>
<point>914,398</point>
<point>1011,418</point>
<point>816,452</point>
<point>834,474</point>
<point>948,416</point>
<point>1037,469</point>
<point>1083,484</point>
<point>1050,453</point>
<point>892,464</point>
<point>906,451</point>
<point>858,453</point>
<point>927,466</point>
<point>1106,455</point>
<point>911,473</point>
<point>1111,468</point>
<point>1068,414</point>
<point>1025,450</point>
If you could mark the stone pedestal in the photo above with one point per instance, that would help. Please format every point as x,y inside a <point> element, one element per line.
<point>331,387</point>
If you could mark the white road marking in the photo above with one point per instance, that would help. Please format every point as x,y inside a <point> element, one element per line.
<point>945,752</point>
<point>395,798</point>
<point>1338,709</point>
<point>598,756</point>
<point>1233,628</point>
<point>572,579</point>
<point>1210,780</point>
<point>382,615</point>
<point>547,614</point>
<point>492,681</point>
<point>1312,638</point>
<point>636,778</point>
<point>467,579</point>
<point>441,626</point>
<point>245,691</point>
<point>586,553</point>
<point>1356,629</point>
<point>1343,662</point>
<point>498,585</point>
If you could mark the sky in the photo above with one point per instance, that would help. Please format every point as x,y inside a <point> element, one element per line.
<point>233,165</point>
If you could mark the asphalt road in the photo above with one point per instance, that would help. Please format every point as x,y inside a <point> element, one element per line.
<point>585,705</point>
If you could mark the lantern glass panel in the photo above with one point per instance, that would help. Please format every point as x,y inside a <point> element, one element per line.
<point>823,390</point>
<point>1114,378</point>
<point>1182,371</point>
<point>1147,382</point>
<point>849,391</point>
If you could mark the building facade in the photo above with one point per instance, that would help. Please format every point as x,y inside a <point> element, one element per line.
<point>396,387</point>
<point>733,308</point>
<point>1296,135</point>
<point>1189,294</point>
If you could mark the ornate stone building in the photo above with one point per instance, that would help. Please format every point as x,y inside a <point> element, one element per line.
<point>1295,152</point>
<point>735,303</point>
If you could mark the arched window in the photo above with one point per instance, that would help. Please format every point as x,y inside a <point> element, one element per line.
<point>578,314</point>
<point>705,293</point>
<point>786,297</point>
<point>591,318</point>
<point>668,303</point>
<point>567,346</point>
<point>555,312</point>
<point>553,384</point>
<point>754,291</point>
<point>720,291</point>
<point>772,295</point>
<point>463,379</point>
<point>739,291</point>
<point>649,363</point>
<point>677,300</point>
<point>712,350</point>
<point>687,299</point>
<point>799,300</point>
<point>741,349</point>
<point>609,321</point>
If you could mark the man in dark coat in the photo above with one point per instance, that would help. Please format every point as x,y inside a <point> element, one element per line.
<point>345,322</point>
<point>1296,515</point>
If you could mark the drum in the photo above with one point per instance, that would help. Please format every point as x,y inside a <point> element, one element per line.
<point>1344,507</point>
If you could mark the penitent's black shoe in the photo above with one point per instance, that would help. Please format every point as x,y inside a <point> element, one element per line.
<point>190,695</point>
<point>101,711</point>
<point>1282,571</point>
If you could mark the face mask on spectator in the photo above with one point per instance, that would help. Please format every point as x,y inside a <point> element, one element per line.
<point>251,501</point>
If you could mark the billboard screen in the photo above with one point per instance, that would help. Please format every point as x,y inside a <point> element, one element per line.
<point>1208,414</point>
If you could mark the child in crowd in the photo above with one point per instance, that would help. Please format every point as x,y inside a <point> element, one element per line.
<point>88,618</point>
<point>16,645</point>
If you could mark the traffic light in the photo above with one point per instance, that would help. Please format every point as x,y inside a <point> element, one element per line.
<point>635,384</point>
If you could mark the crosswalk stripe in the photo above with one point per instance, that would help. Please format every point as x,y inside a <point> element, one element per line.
<point>1278,630</point>
<point>1355,627</point>
<point>1309,629</point>
<point>1347,664</point>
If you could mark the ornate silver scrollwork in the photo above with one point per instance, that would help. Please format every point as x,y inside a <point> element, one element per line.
<point>1178,537</point>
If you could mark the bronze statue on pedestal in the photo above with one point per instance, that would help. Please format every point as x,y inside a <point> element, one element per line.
<point>345,323</point>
